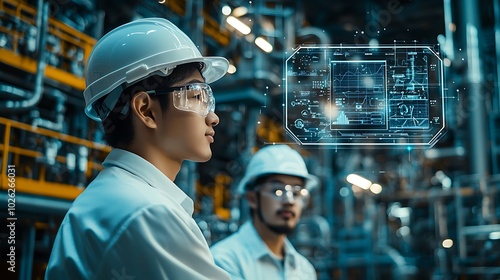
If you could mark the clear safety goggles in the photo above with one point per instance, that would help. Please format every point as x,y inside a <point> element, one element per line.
<point>284,193</point>
<point>195,97</point>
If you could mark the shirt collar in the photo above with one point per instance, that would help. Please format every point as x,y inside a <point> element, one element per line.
<point>259,248</point>
<point>146,171</point>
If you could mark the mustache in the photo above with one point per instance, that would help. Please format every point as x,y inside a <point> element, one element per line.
<point>279,212</point>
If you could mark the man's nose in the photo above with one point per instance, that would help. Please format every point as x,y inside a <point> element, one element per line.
<point>288,197</point>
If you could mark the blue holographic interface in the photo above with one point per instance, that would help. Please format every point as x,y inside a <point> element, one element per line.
<point>392,96</point>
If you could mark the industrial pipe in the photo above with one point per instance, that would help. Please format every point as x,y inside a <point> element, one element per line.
<point>42,24</point>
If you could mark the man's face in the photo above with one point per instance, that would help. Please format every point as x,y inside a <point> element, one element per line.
<point>279,202</point>
<point>186,135</point>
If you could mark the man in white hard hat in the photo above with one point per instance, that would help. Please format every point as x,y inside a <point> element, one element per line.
<point>148,83</point>
<point>276,185</point>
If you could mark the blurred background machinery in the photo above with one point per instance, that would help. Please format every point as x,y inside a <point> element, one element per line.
<point>377,214</point>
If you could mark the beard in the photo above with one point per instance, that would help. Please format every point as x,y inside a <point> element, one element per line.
<point>283,229</point>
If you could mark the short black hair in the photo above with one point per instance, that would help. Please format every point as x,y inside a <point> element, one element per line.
<point>118,130</point>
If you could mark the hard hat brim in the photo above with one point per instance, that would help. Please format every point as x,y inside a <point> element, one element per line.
<point>311,183</point>
<point>215,68</point>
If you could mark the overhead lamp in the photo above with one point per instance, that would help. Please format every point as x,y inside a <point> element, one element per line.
<point>238,25</point>
<point>376,188</point>
<point>263,44</point>
<point>359,181</point>
<point>226,10</point>
<point>231,69</point>
<point>495,235</point>
<point>447,243</point>
<point>240,11</point>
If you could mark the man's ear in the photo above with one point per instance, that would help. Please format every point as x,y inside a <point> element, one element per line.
<point>252,199</point>
<point>143,107</point>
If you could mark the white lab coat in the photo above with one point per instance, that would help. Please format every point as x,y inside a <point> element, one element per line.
<point>131,222</point>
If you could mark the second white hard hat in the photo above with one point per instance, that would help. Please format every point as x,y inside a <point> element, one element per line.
<point>137,50</point>
<point>276,159</point>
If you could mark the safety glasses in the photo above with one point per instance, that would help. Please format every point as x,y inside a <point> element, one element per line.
<point>195,97</point>
<point>282,192</point>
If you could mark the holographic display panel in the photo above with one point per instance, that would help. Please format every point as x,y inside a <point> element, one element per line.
<point>388,95</point>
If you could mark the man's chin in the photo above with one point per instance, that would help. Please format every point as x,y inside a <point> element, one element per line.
<point>202,157</point>
<point>281,229</point>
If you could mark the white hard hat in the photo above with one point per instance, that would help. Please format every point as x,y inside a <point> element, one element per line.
<point>276,159</point>
<point>137,50</point>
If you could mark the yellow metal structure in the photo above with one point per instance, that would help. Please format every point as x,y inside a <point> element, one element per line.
<point>270,131</point>
<point>23,159</point>
<point>211,27</point>
<point>71,41</point>
<point>219,193</point>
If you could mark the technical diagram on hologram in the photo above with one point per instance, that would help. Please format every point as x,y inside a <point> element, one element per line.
<point>365,96</point>
<point>358,94</point>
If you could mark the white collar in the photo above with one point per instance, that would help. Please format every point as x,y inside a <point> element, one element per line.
<point>146,171</point>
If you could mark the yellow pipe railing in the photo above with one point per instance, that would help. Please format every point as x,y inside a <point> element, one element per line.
<point>40,185</point>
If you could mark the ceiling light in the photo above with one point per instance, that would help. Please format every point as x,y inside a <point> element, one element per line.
<point>231,69</point>
<point>447,243</point>
<point>226,10</point>
<point>376,188</point>
<point>240,11</point>
<point>238,25</point>
<point>359,181</point>
<point>263,44</point>
<point>495,235</point>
